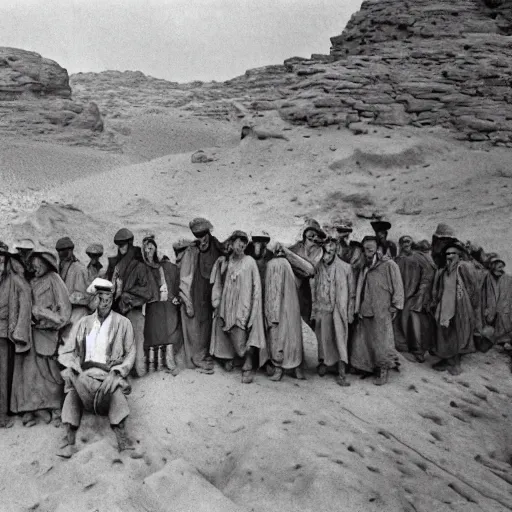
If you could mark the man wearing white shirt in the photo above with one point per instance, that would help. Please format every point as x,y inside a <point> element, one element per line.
<point>96,371</point>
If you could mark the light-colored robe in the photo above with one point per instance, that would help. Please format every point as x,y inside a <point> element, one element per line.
<point>379,292</point>
<point>282,315</point>
<point>239,305</point>
<point>337,282</point>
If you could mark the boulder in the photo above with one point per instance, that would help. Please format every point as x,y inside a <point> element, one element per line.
<point>200,157</point>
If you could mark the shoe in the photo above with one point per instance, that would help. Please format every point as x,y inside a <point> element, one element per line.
<point>342,381</point>
<point>123,441</point>
<point>382,377</point>
<point>247,376</point>
<point>6,422</point>
<point>299,373</point>
<point>277,375</point>
<point>67,451</point>
<point>228,365</point>
<point>441,365</point>
<point>321,369</point>
<point>270,369</point>
<point>29,419</point>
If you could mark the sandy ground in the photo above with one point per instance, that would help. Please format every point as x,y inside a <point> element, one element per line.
<point>424,442</point>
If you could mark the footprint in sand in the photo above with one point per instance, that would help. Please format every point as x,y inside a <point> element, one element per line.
<point>436,435</point>
<point>493,389</point>
<point>433,417</point>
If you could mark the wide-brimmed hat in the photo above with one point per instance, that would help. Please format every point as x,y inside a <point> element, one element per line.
<point>25,244</point>
<point>123,236</point>
<point>49,258</point>
<point>457,244</point>
<point>64,243</point>
<point>444,231</point>
<point>380,225</point>
<point>312,224</point>
<point>94,250</point>
<point>260,236</point>
<point>239,234</point>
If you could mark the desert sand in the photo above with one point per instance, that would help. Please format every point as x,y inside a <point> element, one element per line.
<point>423,442</point>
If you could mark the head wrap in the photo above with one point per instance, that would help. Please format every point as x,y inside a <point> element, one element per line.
<point>402,238</point>
<point>239,234</point>
<point>312,224</point>
<point>444,231</point>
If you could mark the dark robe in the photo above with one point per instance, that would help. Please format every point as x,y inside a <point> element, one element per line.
<point>496,306</point>
<point>414,326</point>
<point>388,248</point>
<point>457,316</point>
<point>196,293</point>
<point>163,322</point>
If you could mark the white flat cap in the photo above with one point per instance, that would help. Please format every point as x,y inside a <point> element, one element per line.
<point>100,285</point>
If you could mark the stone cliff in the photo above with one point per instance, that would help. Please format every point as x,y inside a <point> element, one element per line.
<point>36,100</point>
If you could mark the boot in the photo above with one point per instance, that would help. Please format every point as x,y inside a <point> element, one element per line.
<point>299,373</point>
<point>172,368</point>
<point>321,369</point>
<point>247,373</point>
<point>160,356</point>
<point>277,375</point>
<point>341,379</point>
<point>455,367</point>
<point>68,446</point>
<point>151,359</point>
<point>382,377</point>
<point>29,419</point>
<point>441,365</point>
<point>123,440</point>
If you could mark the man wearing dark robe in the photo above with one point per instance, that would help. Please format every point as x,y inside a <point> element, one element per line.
<point>37,383</point>
<point>196,294</point>
<point>379,296</point>
<point>333,311</point>
<point>496,302</point>
<point>456,295</point>
<point>94,267</point>
<point>129,275</point>
<point>257,248</point>
<point>414,333</point>
<point>15,316</point>
<point>385,247</point>
<point>310,250</point>
<point>95,377</point>
<point>443,236</point>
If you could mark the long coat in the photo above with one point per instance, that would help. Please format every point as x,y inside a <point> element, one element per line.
<point>379,293</point>
<point>496,306</point>
<point>282,314</point>
<point>342,296</point>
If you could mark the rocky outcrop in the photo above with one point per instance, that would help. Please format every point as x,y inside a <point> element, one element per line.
<point>35,100</point>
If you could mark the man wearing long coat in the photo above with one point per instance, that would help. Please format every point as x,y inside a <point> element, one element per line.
<point>496,302</point>
<point>379,296</point>
<point>456,295</point>
<point>236,297</point>
<point>333,311</point>
<point>196,294</point>
<point>15,316</point>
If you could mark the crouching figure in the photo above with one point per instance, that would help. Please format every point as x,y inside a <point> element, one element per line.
<point>95,375</point>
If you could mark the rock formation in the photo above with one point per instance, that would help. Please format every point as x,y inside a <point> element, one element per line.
<point>35,100</point>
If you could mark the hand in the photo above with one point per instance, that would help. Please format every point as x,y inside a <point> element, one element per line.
<point>176,301</point>
<point>36,312</point>
<point>108,385</point>
<point>190,312</point>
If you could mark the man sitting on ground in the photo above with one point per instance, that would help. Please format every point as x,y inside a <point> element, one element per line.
<point>95,379</point>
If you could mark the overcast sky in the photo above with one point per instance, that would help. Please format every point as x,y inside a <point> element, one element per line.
<point>180,40</point>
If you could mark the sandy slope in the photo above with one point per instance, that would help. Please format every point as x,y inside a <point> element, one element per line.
<point>409,446</point>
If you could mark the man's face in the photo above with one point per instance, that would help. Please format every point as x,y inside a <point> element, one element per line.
<point>123,249</point>
<point>65,254</point>
<point>406,245</point>
<point>39,266</point>
<point>382,236</point>
<point>259,248</point>
<point>204,242</point>
<point>239,246</point>
<point>150,250</point>
<point>310,237</point>
<point>105,300</point>
<point>452,256</point>
<point>497,269</point>
<point>25,254</point>
<point>329,253</point>
<point>369,248</point>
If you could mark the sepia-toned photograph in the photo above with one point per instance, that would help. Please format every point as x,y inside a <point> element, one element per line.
<point>255,255</point>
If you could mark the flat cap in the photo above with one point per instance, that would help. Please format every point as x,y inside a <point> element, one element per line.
<point>100,285</point>
<point>64,243</point>
<point>95,249</point>
<point>122,236</point>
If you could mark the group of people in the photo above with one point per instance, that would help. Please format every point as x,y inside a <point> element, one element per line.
<point>71,334</point>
